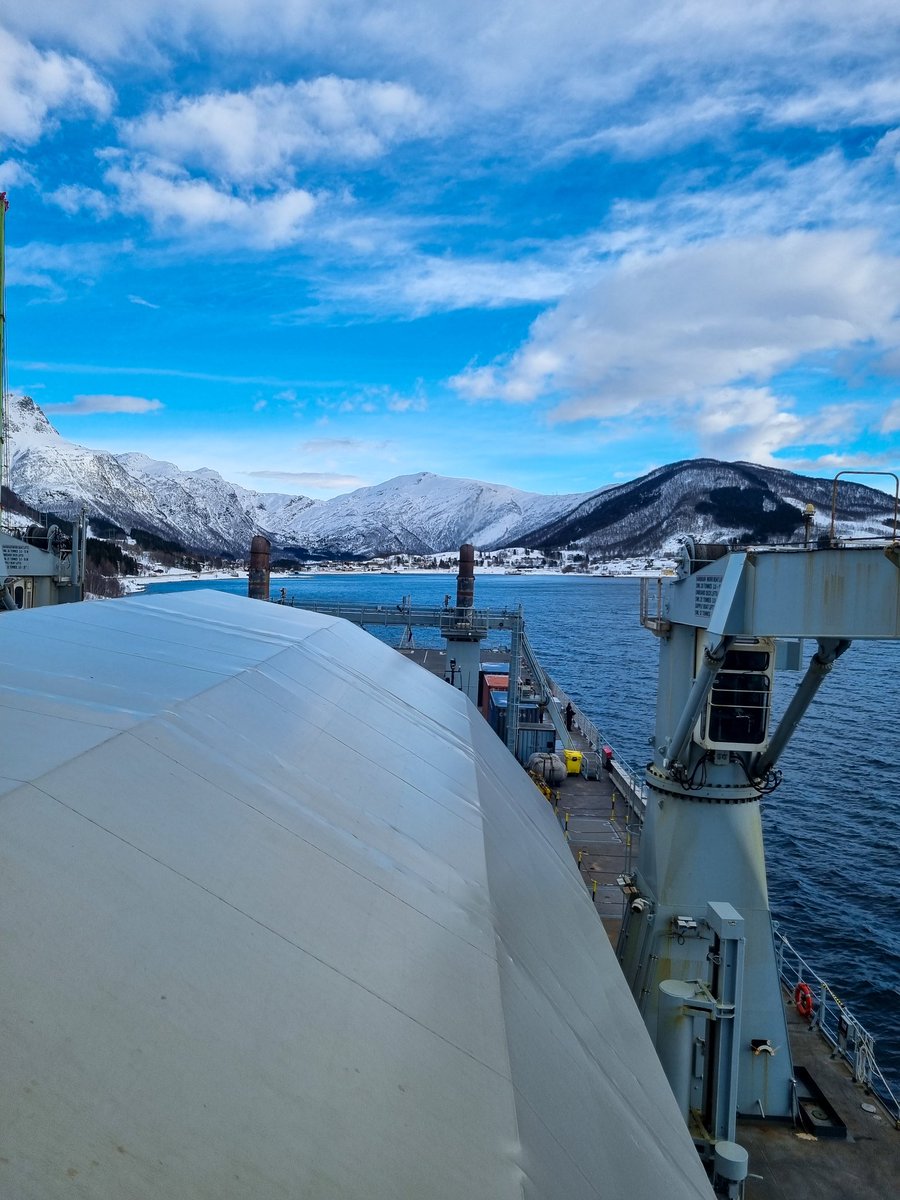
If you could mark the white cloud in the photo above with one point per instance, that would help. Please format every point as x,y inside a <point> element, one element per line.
<point>260,136</point>
<point>40,264</point>
<point>323,480</point>
<point>867,102</point>
<point>664,128</point>
<point>181,206</point>
<point>755,424</point>
<point>111,30</point>
<point>15,174</point>
<point>420,283</point>
<point>38,87</point>
<point>402,404</point>
<point>546,65</point>
<point>329,446</point>
<point>387,273</point>
<point>890,422</point>
<point>225,162</point>
<point>139,300</point>
<point>887,150</point>
<point>76,368</point>
<point>75,197</point>
<point>827,191</point>
<point>259,405</point>
<point>654,332</point>
<point>376,398</point>
<point>89,405</point>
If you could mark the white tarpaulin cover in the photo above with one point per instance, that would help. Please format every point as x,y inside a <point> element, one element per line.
<point>280,917</point>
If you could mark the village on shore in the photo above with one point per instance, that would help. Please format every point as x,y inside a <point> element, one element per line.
<point>514,560</point>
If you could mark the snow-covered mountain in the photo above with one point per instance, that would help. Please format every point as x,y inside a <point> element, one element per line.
<point>419,513</point>
<point>208,511</point>
<point>51,473</point>
<point>426,513</point>
<point>717,502</point>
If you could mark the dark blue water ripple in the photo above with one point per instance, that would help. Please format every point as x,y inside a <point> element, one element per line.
<point>832,830</point>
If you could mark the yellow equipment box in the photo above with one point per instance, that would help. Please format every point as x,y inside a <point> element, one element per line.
<point>573,761</point>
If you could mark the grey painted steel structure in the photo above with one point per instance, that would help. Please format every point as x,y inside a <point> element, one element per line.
<point>477,622</point>
<point>464,629</point>
<point>50,578</point>
<point>702,837</point>
<point>457,628</point>
<point>283,918</point>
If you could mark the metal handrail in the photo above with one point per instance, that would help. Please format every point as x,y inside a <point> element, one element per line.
<point>653,620</point>
<point>633,784</point>
<point>834,493</point>
<point>848,1038</point>
<point>546,685</point>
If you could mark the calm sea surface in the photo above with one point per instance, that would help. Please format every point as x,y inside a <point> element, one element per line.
<point>833,827</point>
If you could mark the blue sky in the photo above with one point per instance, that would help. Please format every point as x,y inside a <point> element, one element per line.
<point>317,244</point>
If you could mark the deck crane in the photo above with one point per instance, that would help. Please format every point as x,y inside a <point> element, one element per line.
<point>697,944</point>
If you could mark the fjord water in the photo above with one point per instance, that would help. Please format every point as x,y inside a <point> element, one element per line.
<point>832,829</point>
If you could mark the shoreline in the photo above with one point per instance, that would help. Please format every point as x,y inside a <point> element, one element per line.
<point>134,584</point>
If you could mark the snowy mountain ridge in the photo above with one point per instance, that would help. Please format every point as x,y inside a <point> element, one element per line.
<point>716,502</point>
<point>424,513</point>
<point>420,513</point>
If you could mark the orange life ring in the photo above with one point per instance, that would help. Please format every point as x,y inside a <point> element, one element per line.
<point>803,999</point>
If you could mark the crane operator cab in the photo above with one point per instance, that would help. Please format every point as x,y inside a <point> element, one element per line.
<point>736,713</point>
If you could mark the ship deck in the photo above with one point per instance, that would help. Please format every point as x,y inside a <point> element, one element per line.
<point>791,1164</point>
<point>786,1162</point>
